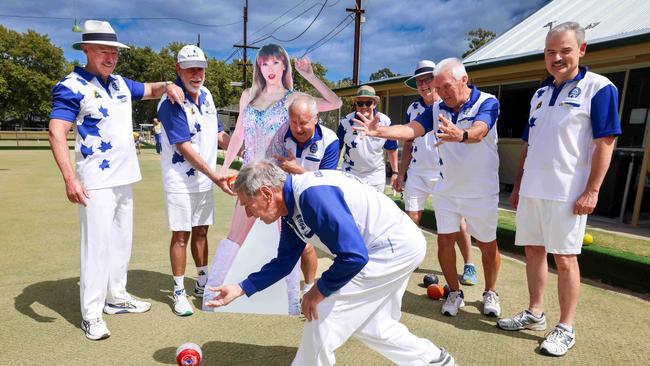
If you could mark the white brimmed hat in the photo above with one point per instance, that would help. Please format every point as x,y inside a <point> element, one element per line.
<point>423,67</point>
<point>191,56</point>
<point>98,32</point>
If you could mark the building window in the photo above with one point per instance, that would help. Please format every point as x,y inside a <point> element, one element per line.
<point>514,103</point>
<point>635,116</point>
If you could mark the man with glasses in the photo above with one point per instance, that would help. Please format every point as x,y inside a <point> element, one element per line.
<point>363,156</point>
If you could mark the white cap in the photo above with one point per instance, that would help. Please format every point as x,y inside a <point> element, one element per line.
<point>191,56</point>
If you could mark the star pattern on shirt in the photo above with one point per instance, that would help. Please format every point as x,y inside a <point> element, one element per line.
<point>531,123</point>
<point>105,146</point>
<point>190,172</point>
<point>103,111</point>
<point>353,144</point>
<point>177,158</point>
<point>197,126</point>
<point>89,127</point>
<point>540,92</point>
<point>86,151</point>
<point>105,164</point>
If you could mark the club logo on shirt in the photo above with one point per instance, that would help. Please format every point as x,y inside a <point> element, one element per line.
<point>97,95</point>
<point>574,92</point>
<point>539,105</point>
<point>313,148</point>
<point>115,85</point>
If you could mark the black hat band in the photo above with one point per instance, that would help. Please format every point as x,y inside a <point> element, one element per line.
<point>111,37</point>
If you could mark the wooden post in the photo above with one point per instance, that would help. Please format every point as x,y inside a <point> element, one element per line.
<point>643,171</point>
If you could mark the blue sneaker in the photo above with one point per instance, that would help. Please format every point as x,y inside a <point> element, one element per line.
<point>469,275</point>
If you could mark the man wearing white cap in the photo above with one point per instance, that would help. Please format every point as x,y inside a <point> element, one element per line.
<point>189,156</point>
<point>420,157</point>
<point>98,103</point>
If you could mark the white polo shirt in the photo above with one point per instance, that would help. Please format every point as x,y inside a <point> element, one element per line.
<point>337,213</point>
<point>467,170</point>
<point>364,156</point>
<point>192,122</point>
<point>320,152</point>
<point>563,123</point>
<point>425,161</point>
<point>105,154</point>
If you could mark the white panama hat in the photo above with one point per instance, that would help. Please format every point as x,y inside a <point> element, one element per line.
<point>423,67</point>
<point>98,32</point>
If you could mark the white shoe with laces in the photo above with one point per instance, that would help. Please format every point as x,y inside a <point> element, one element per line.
<point>131,305</point>
<point>558,342</point>
<point>445,359</point>
<point>455,301</point>
<point>95,329</point>
<point>182,306</point>
<point>491,306</point>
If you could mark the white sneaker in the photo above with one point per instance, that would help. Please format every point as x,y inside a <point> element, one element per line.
<point>455,301</point>
<point>132,305</point>
<point>95,329</point>
<point>445,359</point>
<point>491,305</point>
<point>523,320</point>
<point>182,306</point>
<point>558,342</point>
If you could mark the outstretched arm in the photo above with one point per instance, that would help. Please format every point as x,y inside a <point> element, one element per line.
<point>371,128</point>
<point>329,100</point>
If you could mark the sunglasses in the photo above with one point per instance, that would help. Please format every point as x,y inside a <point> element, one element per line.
<point>364,104</point>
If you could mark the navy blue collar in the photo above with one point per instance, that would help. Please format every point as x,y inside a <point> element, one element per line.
<point>202,94</point>
<point>582,70</point>
<point>317,136</point>
<point>473,97</point>
<point>288,195</point>
<point>88,76</point>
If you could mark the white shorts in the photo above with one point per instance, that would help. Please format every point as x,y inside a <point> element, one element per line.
<point>550,224</point>
<point>481,215</point>
<point>416,191</point>
<point>187,210</point>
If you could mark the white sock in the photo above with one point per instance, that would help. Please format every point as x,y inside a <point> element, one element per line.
<point>203,275</point>
<point>179,283</point>
<point>565,327</point>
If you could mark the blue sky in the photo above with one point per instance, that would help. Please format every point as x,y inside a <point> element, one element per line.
<point>396,33</point>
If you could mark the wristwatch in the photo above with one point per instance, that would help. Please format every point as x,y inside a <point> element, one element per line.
<point>167,83</point>
<point>465,136</point>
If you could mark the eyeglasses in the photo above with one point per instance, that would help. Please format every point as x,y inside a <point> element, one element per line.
<point>364,104</point>
<point>423,81</point>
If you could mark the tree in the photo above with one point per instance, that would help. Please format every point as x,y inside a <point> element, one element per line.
<point>477,38</point>
<point>29,67</point>
<point>382,74</point>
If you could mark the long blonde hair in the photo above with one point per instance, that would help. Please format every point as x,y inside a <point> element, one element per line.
<point>266,52</point>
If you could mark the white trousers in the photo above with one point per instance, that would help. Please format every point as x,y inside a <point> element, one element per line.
<point>106,235</point>
<point>369,307</point>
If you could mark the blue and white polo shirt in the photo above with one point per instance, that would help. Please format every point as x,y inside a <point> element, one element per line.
<point>467,170</point>
<point>564,121</point>
<point>105,155</point>
<point>337,213</point>
<point>364,156</point>
<point>425,161</point>
<point>192,122</point>
<point>321,151</point>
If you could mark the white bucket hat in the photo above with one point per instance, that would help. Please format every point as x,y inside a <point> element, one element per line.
<point>191,56</point>
<point>98,32</point>
<point>423,67</point>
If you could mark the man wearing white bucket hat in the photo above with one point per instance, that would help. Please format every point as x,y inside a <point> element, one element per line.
<point>189,156</point>
<point>98,104</point>
<point>420,157</point>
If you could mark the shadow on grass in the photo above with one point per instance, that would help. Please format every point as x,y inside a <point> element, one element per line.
<point>62,296</point>
<point>421,305</point>
<point>228,353</point>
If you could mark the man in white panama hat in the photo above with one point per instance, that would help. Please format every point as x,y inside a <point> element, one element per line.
<point>420,157</point>
<point>98,104</point>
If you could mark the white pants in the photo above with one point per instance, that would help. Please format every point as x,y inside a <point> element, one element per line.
<point>369,307</point>
<point>106,234</point>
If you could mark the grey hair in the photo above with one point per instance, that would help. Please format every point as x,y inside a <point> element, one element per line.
<point>255,175</point>
<point>453,65</point>
<point>568,26</point>
<point>308,101</point>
